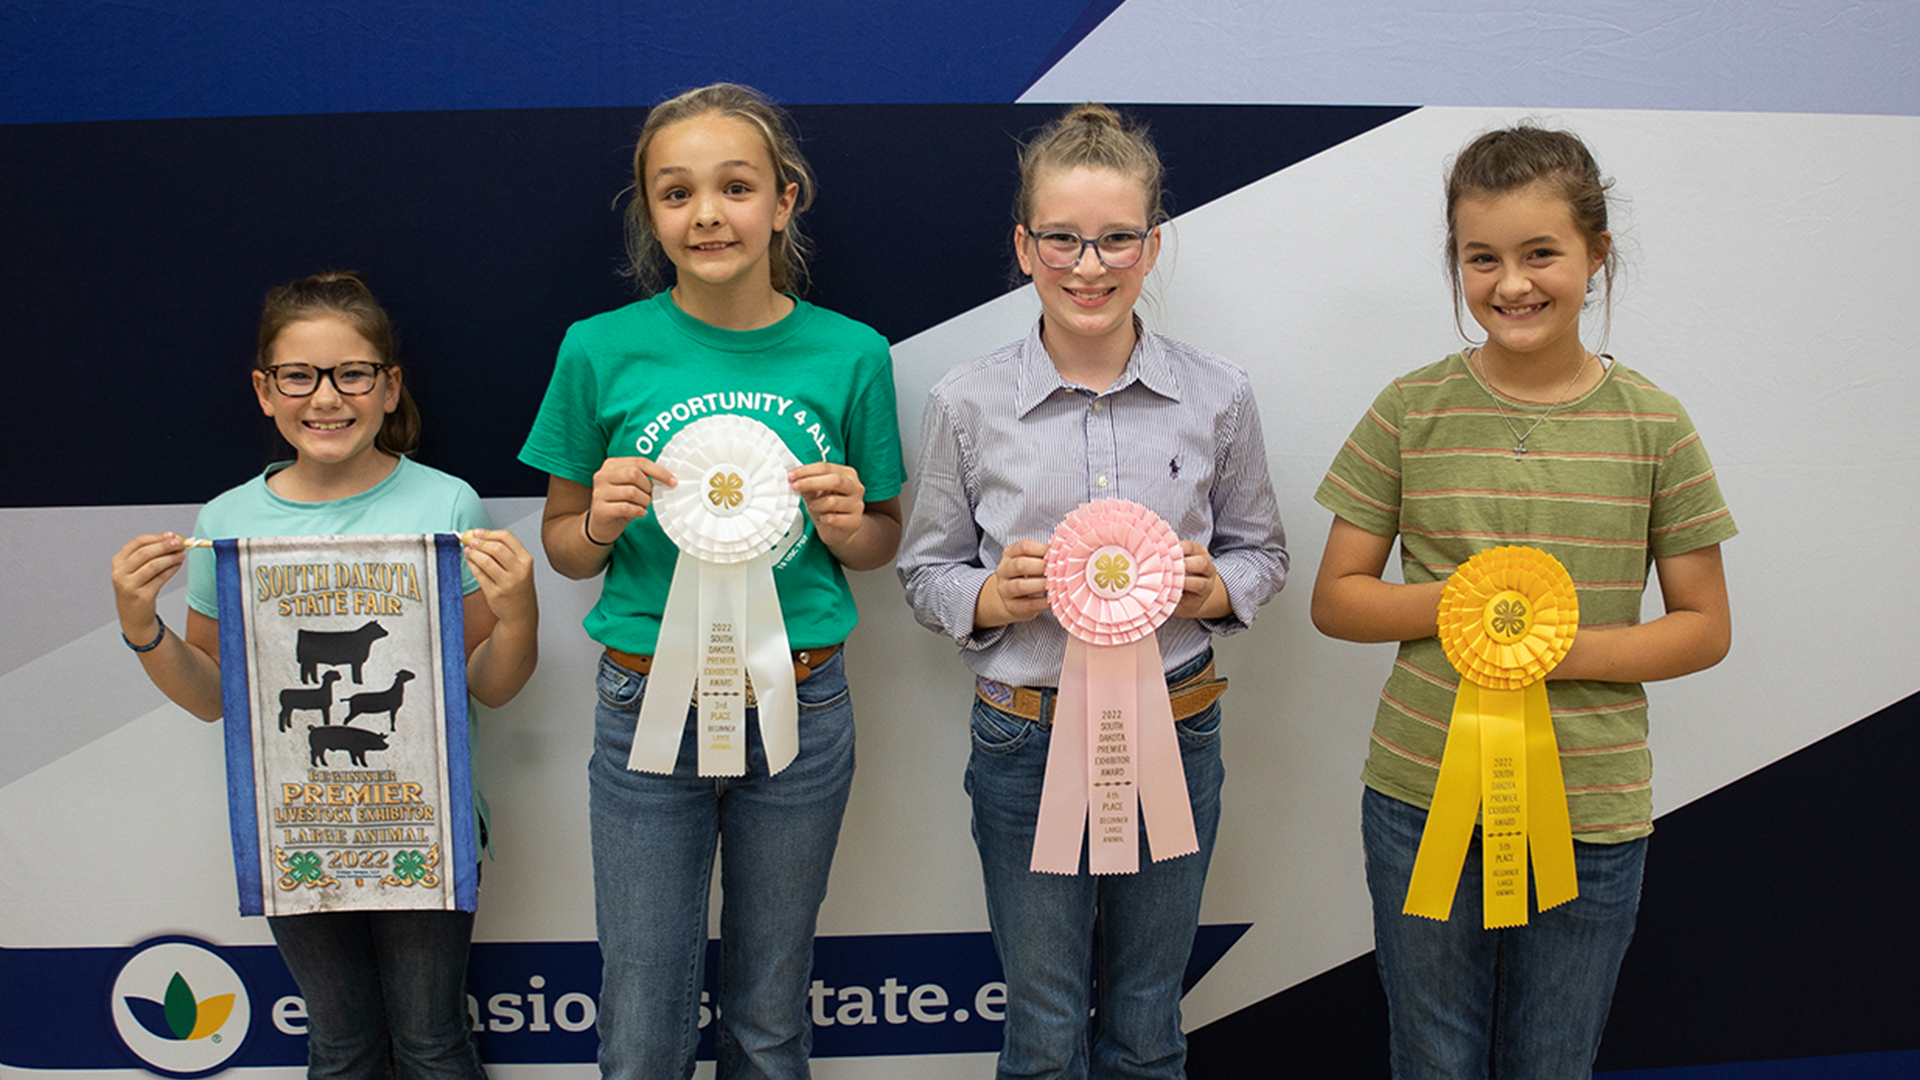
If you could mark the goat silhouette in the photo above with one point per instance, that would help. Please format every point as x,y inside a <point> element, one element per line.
<point>380,701</point>
<point>309,697</point>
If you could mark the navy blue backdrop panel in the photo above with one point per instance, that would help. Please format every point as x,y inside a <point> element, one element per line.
<point>138,252</point>
<point>1776,923</point>
<point>67,60</point>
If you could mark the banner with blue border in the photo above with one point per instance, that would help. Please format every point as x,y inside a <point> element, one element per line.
<point>321,640</point>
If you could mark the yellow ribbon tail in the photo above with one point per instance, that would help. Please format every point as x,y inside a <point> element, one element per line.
<point>1456,802</point>
<point>1504,720</point>
<point>1501,757</point>
<point>1550,839</point>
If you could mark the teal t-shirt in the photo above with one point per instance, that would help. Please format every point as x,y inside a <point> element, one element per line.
<point>627,380</point>
<point>414,498</point>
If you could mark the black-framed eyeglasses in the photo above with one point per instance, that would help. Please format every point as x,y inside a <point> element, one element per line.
<point>351,379</point>
<point>1062,249</point>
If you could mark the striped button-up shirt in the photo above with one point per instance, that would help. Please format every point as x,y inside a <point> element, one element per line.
<point>1009,448</point>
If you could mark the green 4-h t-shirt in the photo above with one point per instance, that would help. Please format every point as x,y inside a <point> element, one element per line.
<point>627,380</point>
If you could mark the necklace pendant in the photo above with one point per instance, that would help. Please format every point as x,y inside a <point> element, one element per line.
<point>1520,449</point>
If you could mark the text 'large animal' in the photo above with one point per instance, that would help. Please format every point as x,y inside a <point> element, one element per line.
<point>335,648</point>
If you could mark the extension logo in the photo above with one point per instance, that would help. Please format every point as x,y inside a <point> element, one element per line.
<point>179,1008</point>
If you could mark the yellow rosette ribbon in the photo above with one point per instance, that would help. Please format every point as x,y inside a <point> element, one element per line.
<point>1507,618</point>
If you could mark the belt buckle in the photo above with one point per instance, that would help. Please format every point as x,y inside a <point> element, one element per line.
<point>994,690</point>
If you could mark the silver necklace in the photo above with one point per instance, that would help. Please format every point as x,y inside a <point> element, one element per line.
<point>1519,439</point>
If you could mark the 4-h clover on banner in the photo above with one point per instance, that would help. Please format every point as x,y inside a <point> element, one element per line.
<point>729,516</point>
<point>1114,574</point>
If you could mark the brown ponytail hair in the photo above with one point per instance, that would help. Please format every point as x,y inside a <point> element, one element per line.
<point>1506,160</point>
<point>1097,137</point>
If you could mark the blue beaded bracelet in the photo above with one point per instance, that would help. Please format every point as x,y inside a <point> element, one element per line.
<point>152,645</point>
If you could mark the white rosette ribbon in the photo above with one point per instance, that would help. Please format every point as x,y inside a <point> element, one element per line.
<point>1114,573</point>
<point>733,515</point>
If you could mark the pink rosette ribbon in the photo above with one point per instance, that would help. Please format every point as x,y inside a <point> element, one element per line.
<point>1114,574</point>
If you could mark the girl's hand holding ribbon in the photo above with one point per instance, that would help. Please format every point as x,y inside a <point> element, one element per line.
<point>622,491</point>
<point>835,498</point>
<point>1202,595</point>
<point>1017,591</point>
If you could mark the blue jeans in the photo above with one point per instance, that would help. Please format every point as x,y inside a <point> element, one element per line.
<point>386,992</point>
<point>653,853</point>
<point>1524,1003</point>
<point>1052,931</point>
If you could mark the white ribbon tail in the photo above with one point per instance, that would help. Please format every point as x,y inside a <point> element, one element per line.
<point>721,637</point>
<point>770,665</point>
<point>676,664</point>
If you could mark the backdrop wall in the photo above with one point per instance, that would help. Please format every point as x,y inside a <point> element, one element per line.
<point>160,168</point>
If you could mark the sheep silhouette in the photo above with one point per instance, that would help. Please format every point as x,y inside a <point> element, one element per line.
<point>335,648</point>
<point>309,697</point>
<point>380,701</point>
<point>357,742</point>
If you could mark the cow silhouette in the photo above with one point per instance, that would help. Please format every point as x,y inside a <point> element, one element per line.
<point>357,742</point>
<point>335,648</point>
<point>309,697</point>
<point>375,702</point>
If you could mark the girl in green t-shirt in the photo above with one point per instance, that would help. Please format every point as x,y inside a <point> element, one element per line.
<point>719,186</point>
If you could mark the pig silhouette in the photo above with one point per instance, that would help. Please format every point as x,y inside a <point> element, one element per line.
<point>357,742</point>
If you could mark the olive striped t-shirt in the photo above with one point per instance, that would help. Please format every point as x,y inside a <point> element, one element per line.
<point>1609,482</point>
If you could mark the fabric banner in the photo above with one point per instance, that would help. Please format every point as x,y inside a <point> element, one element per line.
<point>343,676</point>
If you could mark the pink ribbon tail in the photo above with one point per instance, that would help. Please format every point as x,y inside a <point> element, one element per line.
<point>1163,779</point>
<point>1063,795</point>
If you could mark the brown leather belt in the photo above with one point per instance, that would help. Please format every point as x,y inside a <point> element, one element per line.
<point>1189,696</point>
<point>805,662</point>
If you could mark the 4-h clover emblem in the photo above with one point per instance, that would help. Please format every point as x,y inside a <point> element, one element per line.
<point>414,868</point>
<point>1509,618</point>
<point>409,866</point>
<point>304,866</point>
<point>726,489</point>
<point>301,868</point>
<point>1110,572</point>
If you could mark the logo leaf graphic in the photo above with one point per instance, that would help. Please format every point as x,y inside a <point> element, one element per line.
<point>181,1010</point>
<point>409,866</point>
<point>152,1015</point>
<point>304,866</point>
<point>213,1013</point>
